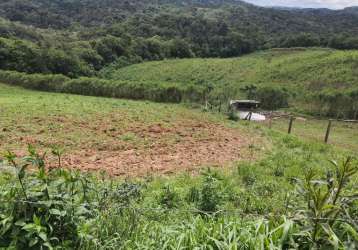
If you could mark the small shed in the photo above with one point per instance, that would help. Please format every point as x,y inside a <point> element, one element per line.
<point>245,109</point>
<point>244,105</point>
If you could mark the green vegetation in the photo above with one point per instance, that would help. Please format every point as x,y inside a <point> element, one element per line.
<point>269,203</point>
<point>81,168</point>
<point>319,81</point>
<point>314,69</point>
<point>78,38</point>
<point>142,90</point>
<point>285,198</point>
<point>343,135</point>
<point>322,81</point>
<point>46,119</point>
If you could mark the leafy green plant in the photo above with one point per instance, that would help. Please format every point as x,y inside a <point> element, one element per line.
<point>38,211</point>
<point>169,198</point>
<point>247,174</point>
<point>210,194</point>
<point>326,218</point>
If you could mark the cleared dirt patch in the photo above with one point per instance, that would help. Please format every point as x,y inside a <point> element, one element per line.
<point>138,149</point>
<point>120,137</point>
<point>193,145</point>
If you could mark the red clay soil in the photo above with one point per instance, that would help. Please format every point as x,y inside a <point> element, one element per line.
<point>195,145</point>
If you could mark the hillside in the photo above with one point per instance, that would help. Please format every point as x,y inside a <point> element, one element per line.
<point>63,14</point>
<point>117,130</point>
<point>297,69</point>
<point>151,174</point>
<point>320,81</point>
<point>80,37</point>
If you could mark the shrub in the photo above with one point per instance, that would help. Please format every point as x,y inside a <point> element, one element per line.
<point>38,211</point>
<point>272,98</point>
<point>169,198</point>
<point>233,115</point>
<point>338,104</point>
<point>46,208</point>
<point>153,91</point>
<point>210,194</point>
<point>34,81</point>
<point>325,215</point>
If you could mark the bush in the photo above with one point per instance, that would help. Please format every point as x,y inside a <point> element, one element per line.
<point>44,207</point>
<point>325,213</point>
<point>233,115</point>
<point>153,91</point>
<point>169,198</point>
<point>338,104</point>
<point>34,81</point>
<point>210,194</point>
<point>272,98</point>
<point>39,210</point>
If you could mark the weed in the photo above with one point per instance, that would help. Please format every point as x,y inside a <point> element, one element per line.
<point>247,174</point>
<point>326,214</point>
<point>210,194</point>
<point>169,198</point>
<point>37,211</point>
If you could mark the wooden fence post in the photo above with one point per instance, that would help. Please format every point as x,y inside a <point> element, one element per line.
<point>290,125</point>
<point>328,131</point>
<point>270,120</point>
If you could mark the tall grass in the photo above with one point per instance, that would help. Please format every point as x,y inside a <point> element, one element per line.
<point>138,90</point>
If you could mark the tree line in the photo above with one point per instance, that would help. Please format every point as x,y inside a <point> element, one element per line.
<point>88,58</point>
<point>80,38</point>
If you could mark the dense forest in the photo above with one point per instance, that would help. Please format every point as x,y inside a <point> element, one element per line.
<point>80,37</point>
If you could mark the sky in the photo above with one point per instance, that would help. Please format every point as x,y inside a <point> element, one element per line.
<point>332,4</point>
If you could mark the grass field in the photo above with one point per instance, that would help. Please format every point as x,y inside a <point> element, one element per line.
<point>344,135</point>
<point>133,137</point>
<point>120,136</point>
<point>312,69</point>
<point>251,197</point>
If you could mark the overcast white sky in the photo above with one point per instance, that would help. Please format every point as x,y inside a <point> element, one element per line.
<point>332,4</point>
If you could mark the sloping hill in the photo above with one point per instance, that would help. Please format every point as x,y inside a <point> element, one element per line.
<point>308,69</point>
<point>80,37</point>
<point>64,13</point>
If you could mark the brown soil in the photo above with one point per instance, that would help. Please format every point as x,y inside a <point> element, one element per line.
<point>190,146</point>
<point>124,147</point>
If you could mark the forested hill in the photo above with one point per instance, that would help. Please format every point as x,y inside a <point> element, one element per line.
<point>80,37</point>
<point>61,14</point>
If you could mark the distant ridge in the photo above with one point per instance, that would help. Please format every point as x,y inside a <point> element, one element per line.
<point>81,37</point>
